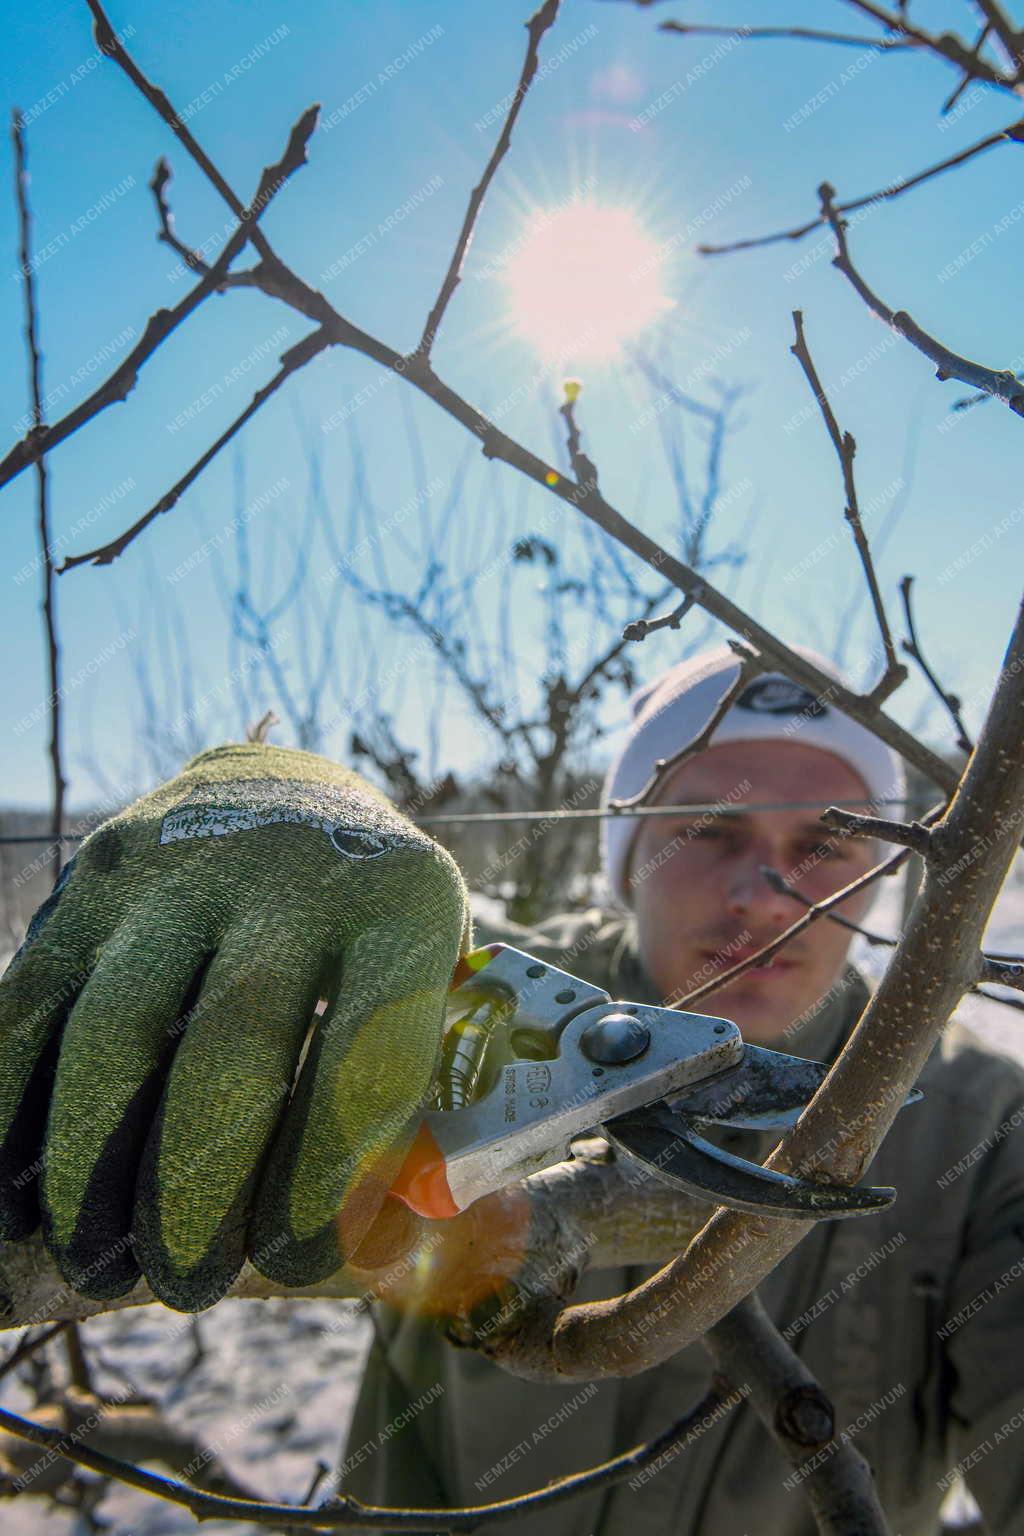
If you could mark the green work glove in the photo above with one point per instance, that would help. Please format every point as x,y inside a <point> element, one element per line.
<point>153,1108</point>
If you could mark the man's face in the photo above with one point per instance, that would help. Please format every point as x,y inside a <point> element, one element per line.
<point>702,903</point>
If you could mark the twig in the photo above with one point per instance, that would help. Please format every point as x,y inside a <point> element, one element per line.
<point>914,835</point>
<point>803,34</point>
<point>994,997</point>
<point>846,447</point>
<point>320,1472</point>
<point>1011,133</point>
<point>295,358</point>
<point>110,44</point>
<point>965,80</point>
<point>343,1512</point>
<point>778,882</point>
<point>49,604</point>
<point>997,21</point>
<point>28,1346</point>
<point>639,629</point>
<point>162,174</point>
<point>1002,384</point>
<point>164,321</point>
<point>751,666</point>
<point>969,401</point>
<point>78,1363</point>
<point>945,45</point>
<point>274,276</point>
<point>668,388</point>
<point>812,915</point>
<point>583,468</point>
<point>261,728</point>
<point>538,24</point>
<point>912,647</point>
<point>1007,971</point>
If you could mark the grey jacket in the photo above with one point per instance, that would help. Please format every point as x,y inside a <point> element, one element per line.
<point>912,1320</point>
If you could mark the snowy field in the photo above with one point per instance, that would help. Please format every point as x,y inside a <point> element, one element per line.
<point>276,1382</point>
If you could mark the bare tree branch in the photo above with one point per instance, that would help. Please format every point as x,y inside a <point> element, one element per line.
<point>893,1038</point>
<point>912,647</point>
<point>802,34</point>
<point>1012,133</point>
<point>898,33</point>
<point>813,914</point>
<point>846,448</point>
<point>344,1512</point>
<point>295,358</point>
<point>751,666</point>
<point>965,79</point>
<point>778,882</point>
<point>167,233</point>
<point>945,45</point>
<point>746,1346</point>
<point>49,604</point>
<point>161,324</point>
<point>997,21</point>
<point>538,24</point>
<point>28,1346</point>
<point>162,175</point>
<point>110,44</point>
<point>1003,385</point>
<point>915,835</point>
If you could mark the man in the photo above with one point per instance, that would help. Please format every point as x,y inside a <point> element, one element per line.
<point>913,1321</point>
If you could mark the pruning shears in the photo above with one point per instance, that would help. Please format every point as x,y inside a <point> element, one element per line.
<point>570,1061</point>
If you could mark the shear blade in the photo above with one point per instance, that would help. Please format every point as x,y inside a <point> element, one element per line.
<point>767,1091</point>
<point>675,1151</point>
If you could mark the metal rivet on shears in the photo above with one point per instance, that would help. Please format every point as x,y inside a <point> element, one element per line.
<point>615,1038</point>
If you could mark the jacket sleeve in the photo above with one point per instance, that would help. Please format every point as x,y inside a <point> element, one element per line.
<point>985,1348</point>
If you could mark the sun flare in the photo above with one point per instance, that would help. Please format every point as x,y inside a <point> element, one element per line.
<point>585,279</point>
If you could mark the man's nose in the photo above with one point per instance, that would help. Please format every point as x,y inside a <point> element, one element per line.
<point>748,891</point>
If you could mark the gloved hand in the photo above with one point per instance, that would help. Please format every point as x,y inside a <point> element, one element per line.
<point>152,1024</point>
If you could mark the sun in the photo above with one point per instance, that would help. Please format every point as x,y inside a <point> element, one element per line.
<point>584,280</point>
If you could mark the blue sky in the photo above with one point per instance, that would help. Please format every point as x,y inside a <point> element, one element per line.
<point>747,131</point>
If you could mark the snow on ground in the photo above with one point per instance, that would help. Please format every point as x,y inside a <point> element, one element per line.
<point>273,1394</point>
<point>275,1388</point>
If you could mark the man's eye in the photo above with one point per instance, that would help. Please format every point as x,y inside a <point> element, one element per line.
<point>824,850</point>
<point>722,837</point>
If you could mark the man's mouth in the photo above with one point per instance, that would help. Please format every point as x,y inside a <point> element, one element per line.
<point>725,958</point>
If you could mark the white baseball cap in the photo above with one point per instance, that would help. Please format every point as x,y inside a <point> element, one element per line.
<point>673,709</point>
